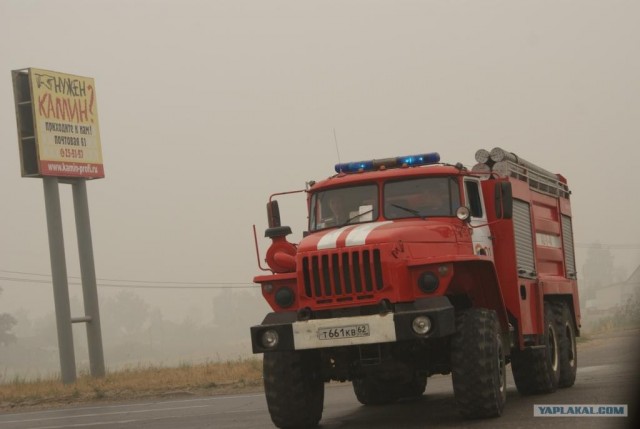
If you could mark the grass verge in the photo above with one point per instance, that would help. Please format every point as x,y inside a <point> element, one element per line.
<point>135,382</point>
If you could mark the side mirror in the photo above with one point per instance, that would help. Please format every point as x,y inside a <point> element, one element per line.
<point>273,214</point>
<point>503,200</point>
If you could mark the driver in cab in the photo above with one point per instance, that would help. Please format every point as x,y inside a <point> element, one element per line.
<point>338,214</point>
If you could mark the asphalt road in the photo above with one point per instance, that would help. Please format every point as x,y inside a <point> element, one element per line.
<point>608,374</point>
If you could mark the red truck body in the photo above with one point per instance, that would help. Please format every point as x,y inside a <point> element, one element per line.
<point>396,290</point>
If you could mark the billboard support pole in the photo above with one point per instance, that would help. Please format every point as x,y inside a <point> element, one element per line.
<point>59,277</point>
<point>88,274</point>
<point>63,146</point>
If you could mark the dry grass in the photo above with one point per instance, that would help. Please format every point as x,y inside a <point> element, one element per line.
<point>136,382</point>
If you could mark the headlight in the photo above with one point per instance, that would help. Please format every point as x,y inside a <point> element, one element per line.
<point>463,213</point>
<point>269,339</point>
<point>421,325</point>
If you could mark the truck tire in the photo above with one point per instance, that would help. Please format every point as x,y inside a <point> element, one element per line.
<point>478,364</point>
<point>294,388</point>
<point>538,370</point>
<point>568,352</point>
<point>372,391</point>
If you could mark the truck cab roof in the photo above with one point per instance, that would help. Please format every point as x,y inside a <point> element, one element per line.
<point>344,179</point>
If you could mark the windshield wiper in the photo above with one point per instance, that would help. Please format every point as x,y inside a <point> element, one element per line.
<point>407,209</point>
<point>348,221</point>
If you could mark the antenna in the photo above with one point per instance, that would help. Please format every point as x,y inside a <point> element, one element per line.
<point>335,138</point>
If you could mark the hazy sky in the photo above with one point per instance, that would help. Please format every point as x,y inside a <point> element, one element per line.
<point>207,107</point>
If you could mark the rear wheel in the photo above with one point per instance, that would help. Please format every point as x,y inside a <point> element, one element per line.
<point>478,364</point>
<point>538,370</point>
<point>294,388</point>
<point>568,353</point>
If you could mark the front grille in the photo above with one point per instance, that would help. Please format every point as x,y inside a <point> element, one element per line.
<point>342,276</point>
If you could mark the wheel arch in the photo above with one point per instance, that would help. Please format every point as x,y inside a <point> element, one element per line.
<point>568,300</point>
<point>476,284</point>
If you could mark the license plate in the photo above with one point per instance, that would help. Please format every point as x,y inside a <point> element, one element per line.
<point>340,332</point>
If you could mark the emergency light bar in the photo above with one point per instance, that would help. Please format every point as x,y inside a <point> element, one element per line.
<point>399,161</point>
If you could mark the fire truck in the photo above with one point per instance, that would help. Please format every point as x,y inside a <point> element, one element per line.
<point>412,267</point>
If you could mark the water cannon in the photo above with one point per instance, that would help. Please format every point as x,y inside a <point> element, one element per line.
<point>385,163</point>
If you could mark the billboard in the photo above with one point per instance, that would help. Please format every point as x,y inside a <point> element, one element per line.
<point>58,127</point>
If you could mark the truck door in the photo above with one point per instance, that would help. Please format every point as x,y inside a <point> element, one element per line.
<point>480,233</point>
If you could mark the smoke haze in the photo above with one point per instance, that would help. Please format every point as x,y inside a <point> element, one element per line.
<point>208,107</point>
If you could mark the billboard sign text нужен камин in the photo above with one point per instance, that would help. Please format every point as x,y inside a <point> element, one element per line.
<point>58,125</point>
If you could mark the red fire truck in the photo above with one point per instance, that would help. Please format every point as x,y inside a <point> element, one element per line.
<point>411,267</point>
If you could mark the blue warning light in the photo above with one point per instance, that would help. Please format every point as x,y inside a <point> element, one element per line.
<point>354,167</point>
<point>399,161</point>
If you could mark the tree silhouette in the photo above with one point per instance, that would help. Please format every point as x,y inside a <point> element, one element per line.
<point>125,315</point>
<point>6,324</point>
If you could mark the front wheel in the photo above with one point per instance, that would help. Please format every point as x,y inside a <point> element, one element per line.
<point>478,364</point>
<point>294,388</point>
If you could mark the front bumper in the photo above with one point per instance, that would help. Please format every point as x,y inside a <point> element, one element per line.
<point>294,334</point>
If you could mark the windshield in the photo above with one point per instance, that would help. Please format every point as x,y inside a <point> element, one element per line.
<point>422,197</point>
<point>343,206</point>
<point>434,196</point>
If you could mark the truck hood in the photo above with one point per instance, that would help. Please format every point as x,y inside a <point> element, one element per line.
<point>421,231</point>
